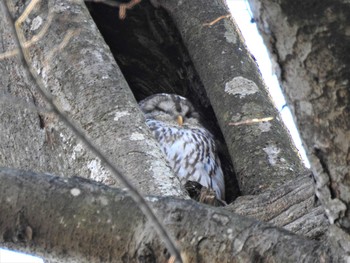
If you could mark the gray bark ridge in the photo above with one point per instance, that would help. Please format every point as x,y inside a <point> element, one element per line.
<point>263,154</point>
<point>79,220</point>
<point>291,206</point>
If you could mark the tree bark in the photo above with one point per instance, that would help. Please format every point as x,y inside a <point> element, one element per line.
<point>309,43</point>
<point>263,154</point>
<point>86,83</point>
<point>291,206</point>
<point>75,219</point>
<point>149,33</point>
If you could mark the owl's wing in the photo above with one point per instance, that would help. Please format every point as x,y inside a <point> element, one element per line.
<point>196,159</point>
<point>191,152</point>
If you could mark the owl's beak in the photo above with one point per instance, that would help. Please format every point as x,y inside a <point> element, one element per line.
<point>180,120</point>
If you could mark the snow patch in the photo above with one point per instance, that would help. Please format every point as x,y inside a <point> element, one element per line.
<point>97,171</point>
<point>230,35</point>
<point>36,23</point>
<point>135,136</point>
<point>230,233</point>
<point>151,199</point>
<point>120,114</point>
<point>238,245</point>
<point>241,86</point>
<point>264,126</point>
<point>77,150</point>
<point>75,191</point>
<point>272,152</point>
<point>63,138</point>
<point>221,219</point>
<point>63,103</point>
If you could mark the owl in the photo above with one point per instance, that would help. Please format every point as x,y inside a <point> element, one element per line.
<point>189,148</point>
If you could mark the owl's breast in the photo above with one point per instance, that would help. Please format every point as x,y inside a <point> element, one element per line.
<point>191,152</point>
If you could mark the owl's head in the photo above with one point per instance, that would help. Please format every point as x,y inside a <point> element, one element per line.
<point>170,108</point>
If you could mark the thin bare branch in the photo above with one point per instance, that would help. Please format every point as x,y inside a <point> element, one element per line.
<point>250,121</point>
<point>32,75</point>
<point>122,6</point>
<point>33,40</point>
<point>216,20</point>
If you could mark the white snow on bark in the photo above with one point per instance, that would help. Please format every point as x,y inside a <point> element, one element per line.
<point>135,136</point>
<point>120,114</point>
<point>36,23</point>
<point>241,86</point>
<point>151,199</point>
<point>97,171</point>
<point>77,150</point>
<point>272,152</point>
<point>264,126</point>
<point>230,34</point>
<point>75,191</point>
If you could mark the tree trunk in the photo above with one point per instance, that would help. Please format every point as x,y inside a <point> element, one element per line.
<point>85,82</point>
<point>263,155</point>
<point>309,43</point>
<point>78,69</point>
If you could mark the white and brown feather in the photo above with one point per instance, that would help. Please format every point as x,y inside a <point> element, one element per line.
<point>190,149</point>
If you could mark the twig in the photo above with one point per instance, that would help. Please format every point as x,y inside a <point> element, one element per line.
<point>250,121</point>
<point>32,75</point>
<point>30,42</point>
<point>216,20</point>
<point>122,6</point>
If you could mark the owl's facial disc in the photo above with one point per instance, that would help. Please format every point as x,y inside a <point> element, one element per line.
<point>170,108</point>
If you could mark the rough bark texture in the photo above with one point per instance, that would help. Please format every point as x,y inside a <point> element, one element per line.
<point>87,85</point>
<point>263,154</point>
<point>153,58</point>
<point>291,206</point>
<point>78,220</point>
<point>309,41</point>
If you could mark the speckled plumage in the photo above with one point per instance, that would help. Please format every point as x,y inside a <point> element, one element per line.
<point>189,148</point>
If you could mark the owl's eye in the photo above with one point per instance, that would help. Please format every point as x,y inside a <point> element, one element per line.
<point>161,109</point>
